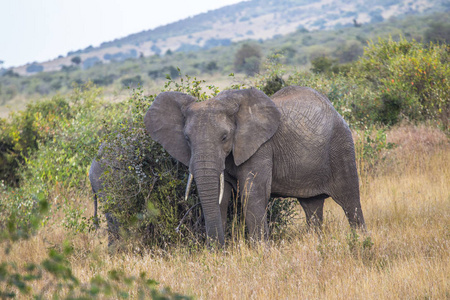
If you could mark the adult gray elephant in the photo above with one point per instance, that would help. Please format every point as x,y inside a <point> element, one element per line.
<point>293,145</point>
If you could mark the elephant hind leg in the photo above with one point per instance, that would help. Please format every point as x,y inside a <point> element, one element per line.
<point>313,208</point>
<point>113,229</point>
<point>348,198</point>
<point>344,187</point>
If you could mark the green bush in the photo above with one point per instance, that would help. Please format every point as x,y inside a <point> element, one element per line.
<point>392,81</point>
<point>22,133</point>
<point>321,64</point>
<point>51,145</point>
<point>132,81</point>
<point>411,79</point>
<point>271,79</point>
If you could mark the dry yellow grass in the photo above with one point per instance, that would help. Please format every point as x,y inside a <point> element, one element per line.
<point>407,210</point>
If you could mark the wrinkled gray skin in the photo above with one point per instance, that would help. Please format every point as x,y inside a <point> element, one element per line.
<point>293,145</point>
<point>97,183</point>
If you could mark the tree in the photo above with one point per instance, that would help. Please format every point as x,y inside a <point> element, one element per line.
<point>321,64</point>
<point>76,60</point>
<point>248,59</point>
<point>348,52</point>
<point>211,66</point>
<point>438,33</point>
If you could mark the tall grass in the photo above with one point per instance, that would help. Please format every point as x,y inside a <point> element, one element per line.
<point>403,255</point>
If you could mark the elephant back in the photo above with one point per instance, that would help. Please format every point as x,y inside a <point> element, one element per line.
<point>306,112</point>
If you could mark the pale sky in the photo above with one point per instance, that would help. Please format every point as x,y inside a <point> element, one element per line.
<point>40,30</point>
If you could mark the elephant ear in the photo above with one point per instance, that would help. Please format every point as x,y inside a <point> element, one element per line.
<point>164,122</point>
<point>257,120</point>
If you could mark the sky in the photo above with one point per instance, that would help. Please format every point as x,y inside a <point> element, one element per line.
<point>40,30</point>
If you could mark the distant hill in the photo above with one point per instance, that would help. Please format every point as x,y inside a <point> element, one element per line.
<point>256,20</point>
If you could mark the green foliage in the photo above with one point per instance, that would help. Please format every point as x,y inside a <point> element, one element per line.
<point>411,79</point>
<point>354,243</point>
<point>134,81</point>
<point>51,145</point>
<point>326,65</point>
<point>321,64</point>
<point>63,157</point>
<point>271,79</point>
<point>21,218</point>
<point>371,149</point>
<point>192,86</point>
<point>164,72</point>
<point>21,135</point>
<point>273,85</point>
<point>281,214</point>
<point>439,32</point>
<point>392,81</point>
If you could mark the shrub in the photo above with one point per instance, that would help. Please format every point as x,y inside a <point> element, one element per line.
<point>22,133</point>
<point>438,32</point>
<point>76,60</point>
<point>371,147</point>
<point>34,68</point>
<point>411,78</point>
<point>271,79</point>
<point>321,64</point>
<point>132,81</point>
<point>145,186</point>
<point>247,59</point>
<point>50,145</point>
<point>273,85</point>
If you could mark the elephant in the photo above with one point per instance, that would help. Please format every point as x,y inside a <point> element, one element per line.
<point>96,171</point>
<point>294,144</point>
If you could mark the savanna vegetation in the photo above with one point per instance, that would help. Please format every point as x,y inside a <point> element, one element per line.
<point>395,98</point>
<point>299,49</point>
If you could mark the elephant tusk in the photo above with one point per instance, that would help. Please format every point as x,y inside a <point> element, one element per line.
<point>188,186</point>
<point>222,186</point>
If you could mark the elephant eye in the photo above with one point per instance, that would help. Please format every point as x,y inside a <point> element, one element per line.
<point>187,138</point>
<point>224,137</point>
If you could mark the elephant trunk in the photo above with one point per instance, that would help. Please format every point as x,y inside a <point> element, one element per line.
<point>208,181</point>
<point>188,189</point>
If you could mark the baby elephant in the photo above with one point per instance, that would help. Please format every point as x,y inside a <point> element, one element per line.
<point>96,172</point>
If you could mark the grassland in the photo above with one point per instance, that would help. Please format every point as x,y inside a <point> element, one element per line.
<point>405,254</point>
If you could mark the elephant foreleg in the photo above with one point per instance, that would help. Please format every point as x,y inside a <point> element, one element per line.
<point>255,194</point>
